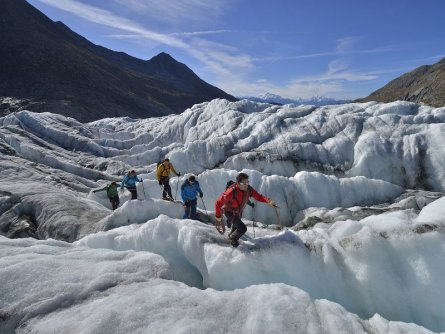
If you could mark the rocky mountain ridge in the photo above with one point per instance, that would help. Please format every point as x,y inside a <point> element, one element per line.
<point>425,84</point>
<point>48,67</point>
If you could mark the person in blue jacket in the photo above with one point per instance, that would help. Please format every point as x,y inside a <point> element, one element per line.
<point>189,193</point>
<point>129,181</point>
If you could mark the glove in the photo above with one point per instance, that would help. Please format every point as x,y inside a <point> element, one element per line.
<point>187,202</point>
<point>272,203</point>
<point>201,194</point>
<point>160,183</point>
<point>220,227</point>
<point>179,174</point>
<point>141,180</point>
<point>251,204</point>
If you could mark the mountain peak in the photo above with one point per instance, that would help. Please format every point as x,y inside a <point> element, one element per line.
<point>277,99</point>
<point>164,59</point>
<point>163,56</point>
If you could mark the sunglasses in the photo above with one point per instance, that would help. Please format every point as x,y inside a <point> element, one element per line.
<point>245,183</point>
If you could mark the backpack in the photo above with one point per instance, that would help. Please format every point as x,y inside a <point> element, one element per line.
<point>158,164</point>
<point>229,183</point>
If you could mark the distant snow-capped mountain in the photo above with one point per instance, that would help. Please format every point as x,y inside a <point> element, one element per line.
<point>277,99</point>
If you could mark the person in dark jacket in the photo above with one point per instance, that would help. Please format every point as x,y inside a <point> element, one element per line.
<point>112,194</point>
<point>232,203</point>
<point>129,181</point>
<point>189,193</point>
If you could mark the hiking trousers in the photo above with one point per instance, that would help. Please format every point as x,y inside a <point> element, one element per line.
<point>238,227</point>
<point>190,210</point>
<point>114,202</point>
<point>133,191</point>
<point>167,191</point>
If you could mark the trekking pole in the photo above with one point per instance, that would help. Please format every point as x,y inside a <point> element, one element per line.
<point>143,189</point>
<point>253,221</point>
<point>280,227</point>
<point>204,206</point>
<point>177,184</point>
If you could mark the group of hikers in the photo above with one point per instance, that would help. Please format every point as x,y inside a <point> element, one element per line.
<point>231,203</point>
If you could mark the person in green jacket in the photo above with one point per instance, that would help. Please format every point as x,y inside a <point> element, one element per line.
<point>112,194</point>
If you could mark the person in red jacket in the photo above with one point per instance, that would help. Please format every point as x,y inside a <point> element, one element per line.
<point>232,202</point>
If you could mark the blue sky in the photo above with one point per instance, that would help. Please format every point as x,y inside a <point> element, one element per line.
<point>293,48</point>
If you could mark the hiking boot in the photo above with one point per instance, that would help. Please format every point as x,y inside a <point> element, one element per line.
<point>230,235</point>
<point>167,199</point>
<point>233,238</point>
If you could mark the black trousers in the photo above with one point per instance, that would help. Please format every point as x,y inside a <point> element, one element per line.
<point>238,227</point>
<point>133,191</point>
<point>114,202</point>
<point>167,191</point>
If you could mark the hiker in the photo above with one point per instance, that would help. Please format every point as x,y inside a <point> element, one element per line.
<point>129,181</point>
<point>189,193</point>
<point>249,202</point>
<point>163,177</point>
<point>112,194</point>
<point>232,202</point>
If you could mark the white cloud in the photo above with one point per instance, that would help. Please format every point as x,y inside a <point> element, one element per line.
<point>183,34</point>
<point>332,83</point>
<point>343,47</point>
<point>177,10</point>
<point>106,18</point>
<point>432,58</point>
<point>218,58</point>
<point>337,66</point>
<point>345,44</point>
<point>197,33</point>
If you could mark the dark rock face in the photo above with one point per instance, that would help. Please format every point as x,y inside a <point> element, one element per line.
<point>426,84</point>
<point>47,67</point>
